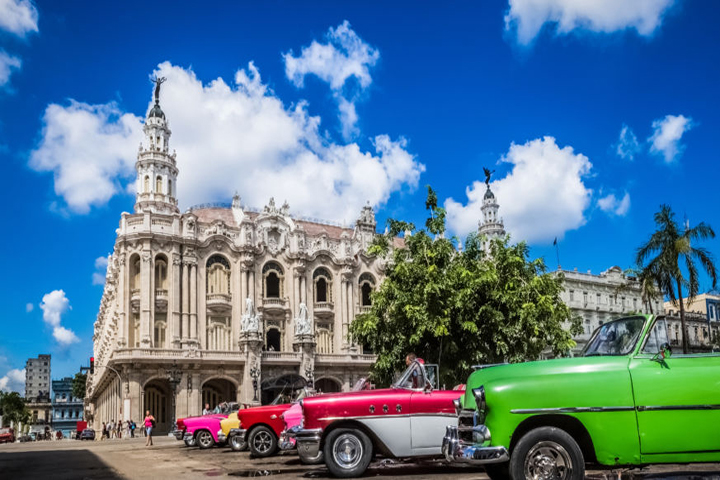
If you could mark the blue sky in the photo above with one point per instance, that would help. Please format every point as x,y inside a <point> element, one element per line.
<point>346,102</point>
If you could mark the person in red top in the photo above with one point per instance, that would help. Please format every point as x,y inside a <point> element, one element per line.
<point>149,422</point>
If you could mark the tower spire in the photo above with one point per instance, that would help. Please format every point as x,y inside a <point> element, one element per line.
<point>156,167</point>
<point>491,226</point>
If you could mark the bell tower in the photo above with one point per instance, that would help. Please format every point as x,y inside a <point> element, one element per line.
<point>492,225</point>
<point>156,167</point>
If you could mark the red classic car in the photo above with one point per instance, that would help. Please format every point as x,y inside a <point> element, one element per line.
<point>7,435</point>
<point>406,420</point>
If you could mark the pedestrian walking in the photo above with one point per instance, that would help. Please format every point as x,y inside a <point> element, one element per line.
<point>132,429</point>
<point>206,410</point>
<point>149,423</point>
<point>127,429</point>
<point>104,430</point>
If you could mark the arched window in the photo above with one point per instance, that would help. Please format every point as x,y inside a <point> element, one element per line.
<point>161,273</point>
<point>273,275</point>
<point>218,275</point>
<point>146,186</point>
<point>160,329</point>
<point>323,285</point>
<point>272,340</point>
<point>367,285</point>
<point>158,184</point>
<point>218,333</point>
<point>135,273</point>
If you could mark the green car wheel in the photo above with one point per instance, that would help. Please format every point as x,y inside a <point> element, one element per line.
<point>547,452</point>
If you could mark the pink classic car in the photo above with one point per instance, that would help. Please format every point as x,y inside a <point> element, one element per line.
<point>406,420</point>
<point>203,431</point>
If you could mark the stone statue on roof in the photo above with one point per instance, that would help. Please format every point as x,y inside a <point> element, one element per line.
<point>303,323</point>
<point>488,173</point>
<point>158,81</point>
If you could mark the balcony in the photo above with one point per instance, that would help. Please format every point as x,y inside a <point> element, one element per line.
<point>344,359</point>
<point>322,307</point>
<point>219,302</point>
<point>281,358</point>
<point>135,299</point>
<point>274,303</point>
<point>364,309</point>
<point>161,300</point>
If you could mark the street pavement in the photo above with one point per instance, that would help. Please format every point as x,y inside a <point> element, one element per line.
<point>168,458</point>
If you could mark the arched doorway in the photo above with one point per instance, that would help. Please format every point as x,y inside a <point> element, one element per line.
<point>327,385</point>
<point>272,337</point>
<point>158,399</point>
<point>218,390</point>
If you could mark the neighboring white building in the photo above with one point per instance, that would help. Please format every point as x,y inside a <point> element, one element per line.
<point>601,298</point>
<point>491,226</point>
<point>205,306</point>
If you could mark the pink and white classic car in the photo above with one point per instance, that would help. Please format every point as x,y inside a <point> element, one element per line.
<point>406,420</point>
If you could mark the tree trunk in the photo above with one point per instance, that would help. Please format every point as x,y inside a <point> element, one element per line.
<point>682,319</point>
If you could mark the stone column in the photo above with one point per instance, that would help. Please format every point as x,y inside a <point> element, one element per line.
<point>193,302</point>
<point>243,287</point>
<point>340,329</point>
<point>251,345</point>
<point>123,303</point>
<point>174,306</point>
<point>185,301</point>
<point>146,299</point>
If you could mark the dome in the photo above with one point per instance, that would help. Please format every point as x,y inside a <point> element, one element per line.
<point>156,112</point>
<point>488,193</point>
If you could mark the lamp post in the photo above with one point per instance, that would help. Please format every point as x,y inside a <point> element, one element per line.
<point>255,374</point>
<point>310,375</point>
<point>174,375</point>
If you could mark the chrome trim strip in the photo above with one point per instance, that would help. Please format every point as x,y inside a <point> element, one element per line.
<point>482,367</point>
<point>391,415</point>
<point>524,411</point>
<point>650,408</point>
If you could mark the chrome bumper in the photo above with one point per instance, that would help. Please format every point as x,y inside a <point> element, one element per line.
<point>457,451</point>
<point>187,436</point>
<point>238,431</point>
<point>286,441</point>
<point>308,441</point>
<point>221,436</point>
<point>179,434</point>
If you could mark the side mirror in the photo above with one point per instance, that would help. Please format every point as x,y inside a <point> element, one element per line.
<point>665,350</point>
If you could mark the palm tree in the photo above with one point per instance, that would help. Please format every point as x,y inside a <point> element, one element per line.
<point>671,246</point>
<point>647,279</point>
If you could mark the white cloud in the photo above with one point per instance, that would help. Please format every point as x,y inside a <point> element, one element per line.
<point>8,63</point>
<point>29,307</point>
<point>54,305</point>
<point>90,150</point>
<point>540,199</point>
<point>19,17</point>
<point>98,277</point>
<point>64,336</point>
<point>615,206</point>
<point>345,56</point>
<point>228,138</point>
<point>13,381</point>
<point>666,136</point>
<point>627,146</point>
<point>526,18</point>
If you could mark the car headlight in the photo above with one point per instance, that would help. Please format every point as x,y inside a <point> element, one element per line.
<point>479,394</point>
<point>458,406</point>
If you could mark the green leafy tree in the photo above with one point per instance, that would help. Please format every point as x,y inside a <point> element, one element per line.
<point>458,309</point>
<point>669,249</point>
<point>78,385</point>
<point>13,408</point>
<point>647,278</point>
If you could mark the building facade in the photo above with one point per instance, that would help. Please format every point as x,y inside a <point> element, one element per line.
<point>37,388</point>
<point>600,298</point>
<point>66,409</point>
<point>222,302</point>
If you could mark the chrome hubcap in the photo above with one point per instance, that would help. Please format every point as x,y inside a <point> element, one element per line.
<point>236,441</point>
<point>262,442</point>
<point>347,451</point>
<point>204,439</point>
<point>548,461</point>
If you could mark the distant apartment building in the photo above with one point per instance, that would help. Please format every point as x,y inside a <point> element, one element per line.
<point>702,321</point>
<point>66,409</point>
<point>37,389</point>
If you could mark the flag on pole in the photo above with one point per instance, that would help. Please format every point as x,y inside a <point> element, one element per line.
<point>555,242</point>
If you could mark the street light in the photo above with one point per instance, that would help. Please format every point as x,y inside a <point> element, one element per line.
<point>255,374</point>
<point>310,375</point>
<point>174,375</point>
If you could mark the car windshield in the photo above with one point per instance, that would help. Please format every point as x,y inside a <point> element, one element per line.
<point>615,338</point>
<point>412,378</point>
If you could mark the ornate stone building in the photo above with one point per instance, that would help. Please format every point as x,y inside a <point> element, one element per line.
<point>219,303</point>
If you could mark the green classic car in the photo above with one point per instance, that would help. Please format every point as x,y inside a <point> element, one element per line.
<point>627,401</point>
